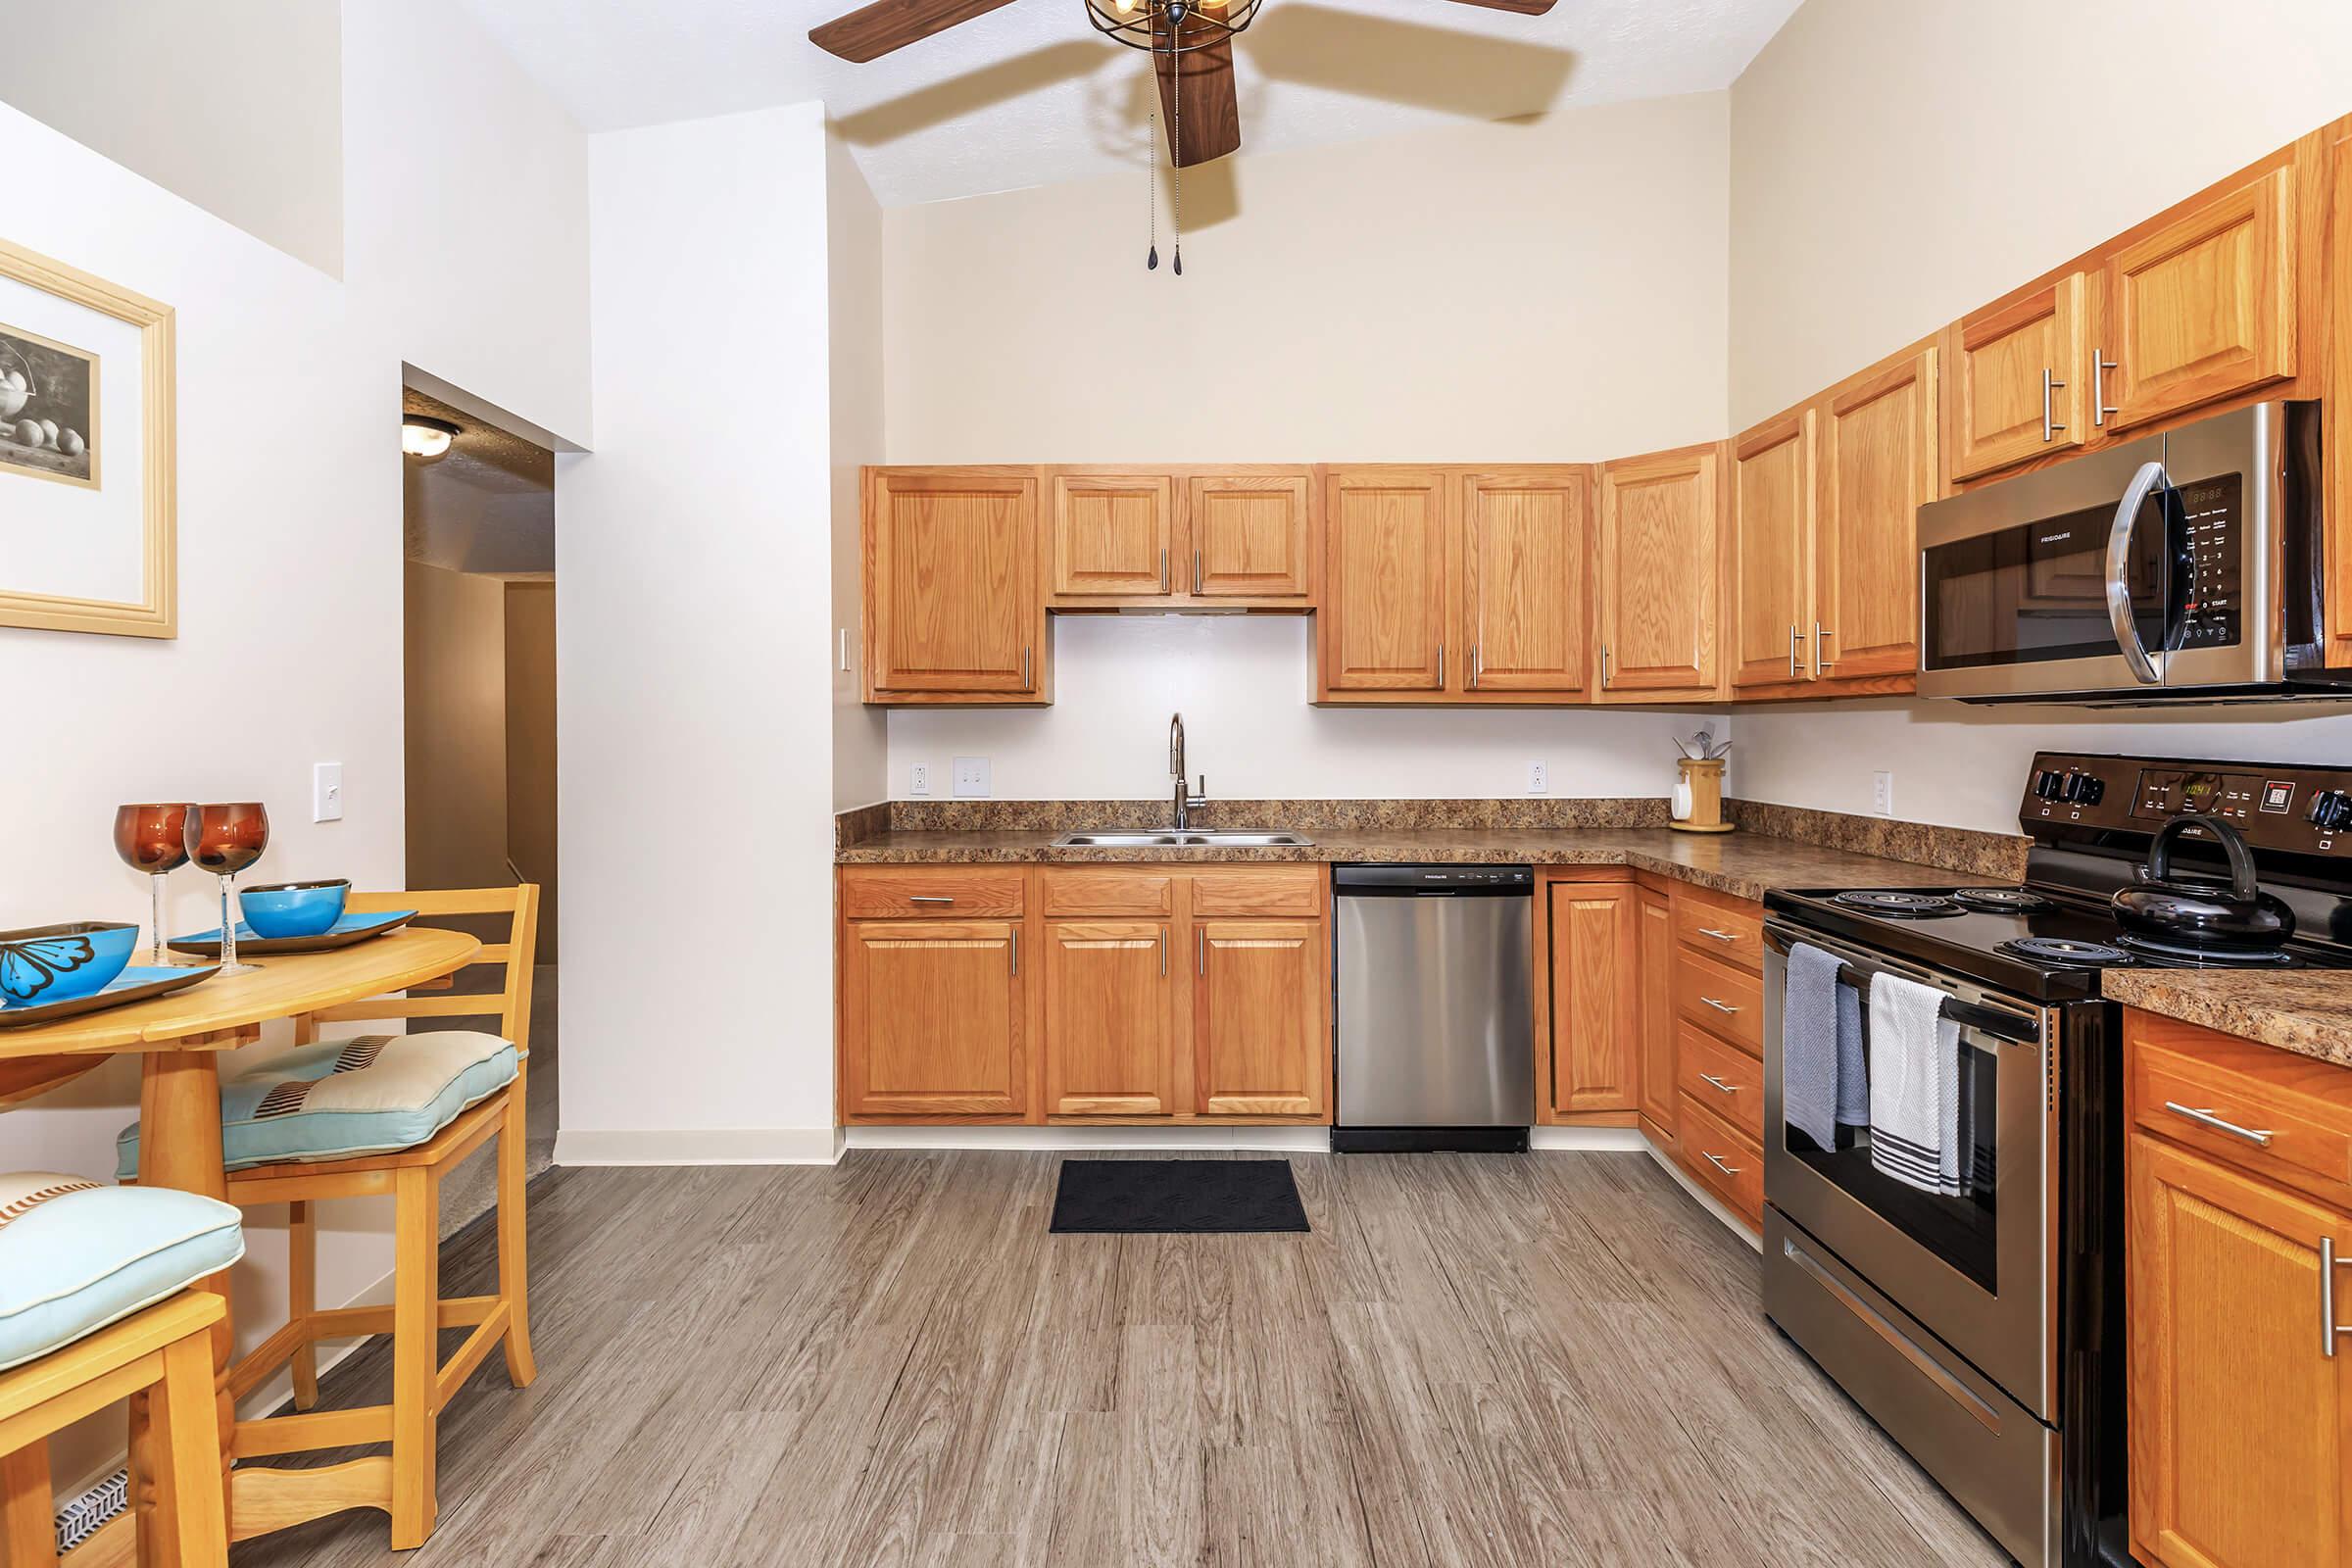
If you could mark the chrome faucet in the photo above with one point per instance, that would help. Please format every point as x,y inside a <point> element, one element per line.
<point>1183,803</point>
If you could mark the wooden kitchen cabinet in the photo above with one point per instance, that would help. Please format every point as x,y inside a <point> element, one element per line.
<point>1387,587</point>
<point>2015,373</point>
<point>932,1021</point>
<point>1526,576</point>
<point>1656,1103</point>
<point>1111,533</point>
<point>1238,537</point>
<point>1773,485</point>
<point>1109,1018</point>
<point>1260,1044</point>
<point>1660,564</point>
<point>1250,536</point>
<point>1594,1061</point>
<point>953,608</point>
<point>1875,465</point>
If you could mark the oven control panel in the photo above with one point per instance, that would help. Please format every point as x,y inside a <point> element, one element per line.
<point>2307,810</point>
<point>2208,559</point>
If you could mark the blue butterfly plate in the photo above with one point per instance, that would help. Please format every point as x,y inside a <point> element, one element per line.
<point>349,931</point>
<point>134,984</point>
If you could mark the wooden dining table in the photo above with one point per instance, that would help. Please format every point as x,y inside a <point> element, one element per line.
<point>179,1040</point>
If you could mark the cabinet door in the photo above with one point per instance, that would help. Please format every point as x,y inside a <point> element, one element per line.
<point>1525,579</point>
<point>1596,996</point>
<point>1386,594</point>
<point>1250,537</point>
<point>1260,1048</point>
<point>1660,574</point>
<point>1109,1012</point>
<point>2013,371</point>
<point>931,1019</point>
<point>2204,306</point>
<point>1773,466</point>
<point>1656,920</point>
<point>1876,468</point>
<point>2241,1427</point>
<point>1111,534</point>
<point>952,592</point>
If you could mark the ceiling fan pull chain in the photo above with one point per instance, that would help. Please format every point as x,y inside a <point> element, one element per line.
<point>1176,151</point>
<point>1151,260</point>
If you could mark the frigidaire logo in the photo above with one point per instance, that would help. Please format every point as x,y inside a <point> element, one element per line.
<point>2054,538</point>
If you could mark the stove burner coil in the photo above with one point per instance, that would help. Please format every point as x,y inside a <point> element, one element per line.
<point>2060,951</point>
<point>2002,900</point>
<point>1902,906</point>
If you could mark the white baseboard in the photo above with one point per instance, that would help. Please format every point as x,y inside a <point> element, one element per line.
<point>1290,1139</point>
<point>1587,1139</point>
<point>1707,1199</point>
<point>716,1146</point>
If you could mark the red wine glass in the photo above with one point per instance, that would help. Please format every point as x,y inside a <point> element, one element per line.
<point>153,839</point>
<point>225,839</point>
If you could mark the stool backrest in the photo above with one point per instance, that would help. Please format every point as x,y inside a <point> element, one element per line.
<point>514,955</point>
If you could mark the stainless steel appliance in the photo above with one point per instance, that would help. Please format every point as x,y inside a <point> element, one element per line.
<point>2182,565</point>
<point>1984,1332</point>
<point>1435,1025</point>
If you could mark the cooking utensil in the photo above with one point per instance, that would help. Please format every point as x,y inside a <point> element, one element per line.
<point>2196,912</point>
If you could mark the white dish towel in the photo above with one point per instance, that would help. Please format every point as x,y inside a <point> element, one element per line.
<point>1914,1086</point>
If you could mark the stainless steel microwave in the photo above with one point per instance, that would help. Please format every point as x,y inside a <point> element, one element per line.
<point>2181,566</point>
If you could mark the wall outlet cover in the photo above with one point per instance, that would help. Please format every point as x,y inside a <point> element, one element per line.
<point>971,778</point>
<point>918,779</point>
<point>326,792</point>
<point>1539,779</point>
<point>1881,793</point>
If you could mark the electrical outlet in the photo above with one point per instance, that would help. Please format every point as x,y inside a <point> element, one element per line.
<point>326,792</point>
<point>1539,779</point>
<point>971,778</point>
<point>918,779</point>
<point>1881,793</point>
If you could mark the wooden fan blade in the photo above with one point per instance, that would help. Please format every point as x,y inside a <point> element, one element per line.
<point>1210,115</point>
<point>871,31</point>
<point>1525,7</point>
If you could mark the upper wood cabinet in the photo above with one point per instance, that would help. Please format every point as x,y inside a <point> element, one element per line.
<point>1239,537</point>
<point>1388,588</point>
<point>1595,951</point>
<point>1111,533</point>
<point>1876,467</point>
<point>1773,468</point>
<point>1252,537</point>
<point>1659,567</point>
<point>2203,307</point>
<point>1525,574</point>
<point>1108,1018</point>
<point>1260,1044</point>
<point>953,609</point>
<point>932,1016</point>
<point>2012,371</point>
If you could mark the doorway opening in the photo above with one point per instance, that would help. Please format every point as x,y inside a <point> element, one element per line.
<point>480,595</point>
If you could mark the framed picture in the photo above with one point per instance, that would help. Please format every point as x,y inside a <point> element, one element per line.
<point>88,494</point>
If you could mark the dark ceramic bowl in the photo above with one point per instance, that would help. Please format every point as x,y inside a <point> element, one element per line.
<point>59,962</point>
<point>294,908</point>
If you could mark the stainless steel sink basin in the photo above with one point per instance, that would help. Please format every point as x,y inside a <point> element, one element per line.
<point>1189,839</point>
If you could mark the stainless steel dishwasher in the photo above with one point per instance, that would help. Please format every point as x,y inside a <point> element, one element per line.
<point>1436,1029</point>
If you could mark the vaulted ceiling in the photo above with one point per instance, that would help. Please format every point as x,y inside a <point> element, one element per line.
<point>1029,95</point>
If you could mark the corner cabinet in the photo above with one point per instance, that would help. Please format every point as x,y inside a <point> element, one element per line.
<point>954,612</point>
<point>1659,563</point>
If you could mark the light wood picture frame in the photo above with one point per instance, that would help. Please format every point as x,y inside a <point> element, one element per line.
<point>133,517</point>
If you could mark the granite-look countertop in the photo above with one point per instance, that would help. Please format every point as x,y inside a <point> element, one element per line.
<point>1742,865</point>
<point>2308,1012</point>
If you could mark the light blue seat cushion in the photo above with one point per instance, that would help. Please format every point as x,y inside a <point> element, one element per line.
<point>370,1096</point>
<point>76,1256</point>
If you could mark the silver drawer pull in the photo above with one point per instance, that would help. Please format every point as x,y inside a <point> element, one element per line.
<point>1728,1170</point>
<point>2260,1137</point>
<point>1720,936</point>
<point>2329,1328</point>
<point>1729,1089</point>
<point>928,898</point>
<point>1719,1006</point>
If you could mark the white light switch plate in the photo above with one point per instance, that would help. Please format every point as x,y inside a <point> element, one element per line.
<point>918,779</point>
<point>1881,793</point>
<point>971,778</point>
<point>326,792</point>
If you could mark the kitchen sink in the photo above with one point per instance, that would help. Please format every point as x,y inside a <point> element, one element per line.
<point>1185,839</point>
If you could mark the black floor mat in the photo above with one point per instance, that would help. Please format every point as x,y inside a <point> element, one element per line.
<point>1180,1196</point>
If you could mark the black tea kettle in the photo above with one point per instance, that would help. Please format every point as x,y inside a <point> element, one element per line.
<point>2194,912</point>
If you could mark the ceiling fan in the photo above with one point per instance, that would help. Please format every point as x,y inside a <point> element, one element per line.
<point>1190,43</point>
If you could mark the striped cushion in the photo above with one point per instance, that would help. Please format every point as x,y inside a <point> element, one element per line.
<point>370,1096</point>
<point>76,1256</point>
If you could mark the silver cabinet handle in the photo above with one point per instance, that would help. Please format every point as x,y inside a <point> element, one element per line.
<point>1821,641</point>
<point>1795,637</point>
<point>1478,665</point>
<point>2049,384</point>
<point>1440,666</point>
<point>1164,953</point>
<point>1719,1083</point>
<point>1196,568</point>
<point>1720,936</point>
<point>928,898</point>
<point>2329,1328</point>
<point>2101,365</point>
<point>1025,681</point>
<point>1164,568</point>
<point>1719,1006</point>
<point>1604,666</point>
<point>1201,952</point>
<point>2260,1137</point>
<point>1728,1170</point>
<point>1016,950</point>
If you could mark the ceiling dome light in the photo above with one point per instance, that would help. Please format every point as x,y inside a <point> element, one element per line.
<point>423,436</point>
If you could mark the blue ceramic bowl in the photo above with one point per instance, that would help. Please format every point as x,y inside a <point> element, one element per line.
<point>294,908</point>
<point>59,962</point>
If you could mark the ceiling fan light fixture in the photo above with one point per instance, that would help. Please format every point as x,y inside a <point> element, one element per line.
<point>1170,27</point>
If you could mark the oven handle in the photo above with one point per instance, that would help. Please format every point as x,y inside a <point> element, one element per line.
<point>2151,475</point>
<point>1998,1022</point>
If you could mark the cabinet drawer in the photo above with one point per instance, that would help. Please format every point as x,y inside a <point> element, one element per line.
<point>1724,1162</point>
<point>1723,1000</point>
<point>909,891</point>
<point>1289,889</point>
<point>1119,892</point>
<point>2295,1112</point>
<point>1727,1082</point>
<point>1735,936</point>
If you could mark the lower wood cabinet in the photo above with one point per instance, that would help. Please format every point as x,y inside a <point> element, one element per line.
<point>1591,1066</point>
<point>933,1020</point>
<point>1109,1018</point>
<point>1260,1048</point>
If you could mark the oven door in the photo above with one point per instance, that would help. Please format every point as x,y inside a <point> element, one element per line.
<point>1977,1271</point>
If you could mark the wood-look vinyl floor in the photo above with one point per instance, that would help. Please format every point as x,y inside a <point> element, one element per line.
<point>1479,1360</point>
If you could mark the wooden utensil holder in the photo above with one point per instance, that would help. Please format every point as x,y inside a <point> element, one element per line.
<point>1704,776</point>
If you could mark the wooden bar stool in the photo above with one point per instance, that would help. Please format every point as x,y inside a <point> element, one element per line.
<point>387,1115</point>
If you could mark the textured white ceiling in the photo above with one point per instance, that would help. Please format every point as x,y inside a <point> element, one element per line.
<point>1029,95</point>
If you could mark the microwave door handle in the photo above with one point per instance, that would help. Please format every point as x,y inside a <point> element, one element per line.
<point>2151,475</point>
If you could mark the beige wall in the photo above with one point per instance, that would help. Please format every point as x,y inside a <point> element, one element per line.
<point>1894,165</point>
<point>531,745</point>
<point>853,343</point>
<point>455,684</point>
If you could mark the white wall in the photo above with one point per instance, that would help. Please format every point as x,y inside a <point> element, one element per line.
<point>694,633</point>
<point>1894,167</point>
<point>1546,291</point>
<point>854,270</point>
